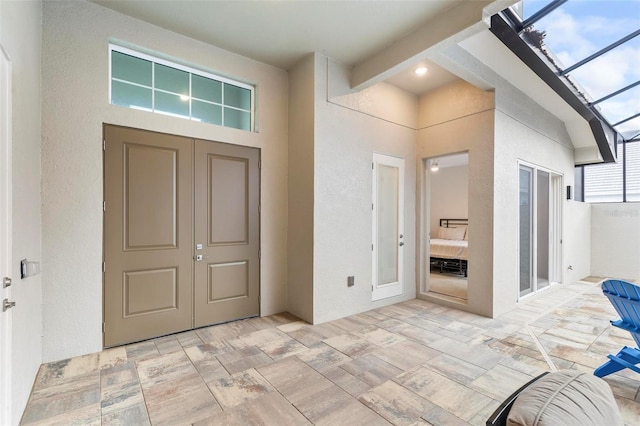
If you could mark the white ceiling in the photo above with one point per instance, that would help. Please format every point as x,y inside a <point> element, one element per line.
<point>281,33</point>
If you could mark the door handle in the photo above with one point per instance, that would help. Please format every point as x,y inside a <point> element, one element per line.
<point>200,257</point>
<point>7,305</point>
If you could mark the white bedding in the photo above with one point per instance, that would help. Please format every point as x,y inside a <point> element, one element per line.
<point>449,249</point>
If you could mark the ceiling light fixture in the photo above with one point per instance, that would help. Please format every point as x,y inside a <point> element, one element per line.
<point>184,97</point>
<point>421,70</point>
<point>434,166</point>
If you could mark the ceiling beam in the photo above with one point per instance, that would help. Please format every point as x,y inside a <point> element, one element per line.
<point>461,21</point>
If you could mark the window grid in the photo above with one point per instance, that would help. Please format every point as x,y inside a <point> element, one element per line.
<point>191,72</point>
<point>614,182</point>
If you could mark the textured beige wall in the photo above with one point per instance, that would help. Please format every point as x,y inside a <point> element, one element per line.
<point>345,140</point>
<point>75,105</point>
<point>615,232</point>
<point>449,194</point>
<point>301,190</point>
<point>20,24</point>
<point>526,132</point>
<point>457,118</point>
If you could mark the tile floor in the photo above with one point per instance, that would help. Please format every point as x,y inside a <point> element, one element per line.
<point>411,363</point>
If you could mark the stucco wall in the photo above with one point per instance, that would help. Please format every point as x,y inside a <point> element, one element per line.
<point>75,105</point>
<point>449,194</point>
<point>456,118</point>
<point>615,232</point>
<point>21,38</point>
<point>301,189</point>
<point>524,131</point>
<point>345,140</point>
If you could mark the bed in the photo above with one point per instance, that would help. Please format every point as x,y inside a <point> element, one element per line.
<point>449,249</point>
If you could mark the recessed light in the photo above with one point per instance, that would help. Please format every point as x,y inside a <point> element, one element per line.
<point>421,70</point>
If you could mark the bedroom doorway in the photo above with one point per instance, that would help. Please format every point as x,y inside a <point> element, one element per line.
<point>446,222</point>
<point>540,238</point>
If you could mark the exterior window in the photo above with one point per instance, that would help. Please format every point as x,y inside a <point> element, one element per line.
<point>603,183</point>
<point>143,82</point>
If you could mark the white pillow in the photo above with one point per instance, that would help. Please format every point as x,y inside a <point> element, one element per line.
<point>451,233</point>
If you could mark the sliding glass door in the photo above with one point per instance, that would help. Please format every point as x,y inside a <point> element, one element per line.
<point>540,203</point>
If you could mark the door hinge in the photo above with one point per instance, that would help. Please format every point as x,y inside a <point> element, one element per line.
<point>371,288</point>
<point>104,266</point>
<point>104,327</point>
<point>104,206</point>
<point>372,208</point>
<point>373,166</point>
<point>259,164</point>
<point>104,144</point>
<point>259,254</point>
<point>259,208</point>
<point>371,247</point>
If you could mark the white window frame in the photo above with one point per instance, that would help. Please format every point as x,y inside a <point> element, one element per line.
<point>191,71</point>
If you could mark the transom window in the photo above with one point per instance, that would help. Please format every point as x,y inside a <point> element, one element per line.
<point>140,81</point>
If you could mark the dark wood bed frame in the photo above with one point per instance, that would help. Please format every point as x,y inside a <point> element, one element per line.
<point>458,266</point>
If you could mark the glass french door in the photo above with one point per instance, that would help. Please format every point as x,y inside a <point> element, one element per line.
<point>540,202</point>
<point>387,226</point>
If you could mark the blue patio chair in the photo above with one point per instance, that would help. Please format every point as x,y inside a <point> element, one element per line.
<point>625,297</point>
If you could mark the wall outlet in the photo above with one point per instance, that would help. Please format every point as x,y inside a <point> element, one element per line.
<point>351,281</point>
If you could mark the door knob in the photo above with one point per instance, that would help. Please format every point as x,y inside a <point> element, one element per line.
<point>7,305</point>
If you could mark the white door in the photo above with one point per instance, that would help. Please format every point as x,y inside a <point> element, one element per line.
<point>387,226</point>
<point>5,236</point>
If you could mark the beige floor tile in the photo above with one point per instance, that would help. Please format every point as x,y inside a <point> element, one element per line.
<point>322,356</point>
<point>371,369</point>
<point>499,382</point>
<point>395,403</point>
<point>480,356</point>
<point>294,379</point>
<point>396,359</point>
<point>346,381</point>
<point>132,415</point>
<point>269,409</point>
<point>112,357</point>
<point>379,336</point>
<point>282,348</point>
<point>184,400</point>
<point>140,351</point>
<point>239,388</point>
<point>257,338</point>
<point>167,344</point>
<point>164,368</point>
<point>188,339</point>
<point>454,397</point>
<point>406,355</point>
<point>78,396</point>
<point>243,359</point>
<point>351,345</point>
<point>455,369</point>
<point>333,406</point>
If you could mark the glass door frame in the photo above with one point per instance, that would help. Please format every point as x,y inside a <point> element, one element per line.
<point>387,289</point>
<point>555,228</point>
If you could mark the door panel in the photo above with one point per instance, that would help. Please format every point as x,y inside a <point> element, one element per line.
<point>387,226</point>
<point>227,279</point>
<point>151,219</point>
<point>5,238</point>
<point>148,238</point>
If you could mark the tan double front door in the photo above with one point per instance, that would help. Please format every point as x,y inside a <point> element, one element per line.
<point>181,234</point>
